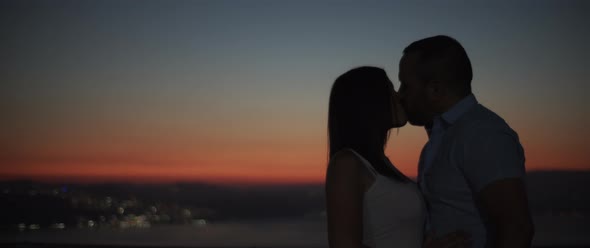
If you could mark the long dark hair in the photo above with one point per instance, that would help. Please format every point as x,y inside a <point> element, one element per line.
<point>360,116</point>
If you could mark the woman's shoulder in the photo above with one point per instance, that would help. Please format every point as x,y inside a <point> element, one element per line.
<point>345,156</point>
<point>348,161</point>
<point>346,169</point>
<point>345,159</point>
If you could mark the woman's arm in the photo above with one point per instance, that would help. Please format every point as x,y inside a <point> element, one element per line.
<point>344,201</point>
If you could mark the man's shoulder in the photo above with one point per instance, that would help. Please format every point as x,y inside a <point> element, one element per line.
<point>480,120</point>
<point>483,117</point>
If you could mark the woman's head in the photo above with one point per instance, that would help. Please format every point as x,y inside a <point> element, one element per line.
<point>363,108</point>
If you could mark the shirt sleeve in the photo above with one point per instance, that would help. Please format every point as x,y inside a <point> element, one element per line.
<point>491,154</point>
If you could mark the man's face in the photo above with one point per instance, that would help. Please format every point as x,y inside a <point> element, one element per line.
<point>412,91</point>
<point>398,114</point>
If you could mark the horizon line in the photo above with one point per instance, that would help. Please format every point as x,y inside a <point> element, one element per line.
<point>154,180</point>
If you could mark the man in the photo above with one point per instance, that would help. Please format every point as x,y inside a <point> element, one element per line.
<point>471,170</point>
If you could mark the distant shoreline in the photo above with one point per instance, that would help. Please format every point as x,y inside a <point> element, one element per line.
<point>156,181</point>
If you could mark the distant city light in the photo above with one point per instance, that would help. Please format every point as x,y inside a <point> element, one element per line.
<point>58,226</point>
<point>200,222</point>
<point>186,213</point>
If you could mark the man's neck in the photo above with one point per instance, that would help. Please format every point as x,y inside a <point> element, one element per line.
<point>447,104</point>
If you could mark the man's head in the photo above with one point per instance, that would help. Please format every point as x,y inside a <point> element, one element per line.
<point>434,73</point>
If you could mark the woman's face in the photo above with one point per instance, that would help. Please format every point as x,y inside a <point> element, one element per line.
<point>398,115</point>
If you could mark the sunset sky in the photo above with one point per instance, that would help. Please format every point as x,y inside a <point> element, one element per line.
<point>237,91</point>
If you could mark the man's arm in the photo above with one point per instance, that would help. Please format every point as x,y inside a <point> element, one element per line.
<point>504,202</point>
<point>494,167</point>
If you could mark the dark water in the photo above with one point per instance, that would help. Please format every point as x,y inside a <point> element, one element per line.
<point>551,231</point>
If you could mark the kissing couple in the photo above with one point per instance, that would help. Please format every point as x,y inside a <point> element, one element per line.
<point>470,188</point>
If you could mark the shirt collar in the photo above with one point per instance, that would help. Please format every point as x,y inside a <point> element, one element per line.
<point>460,108</point>
<point>447,119</point>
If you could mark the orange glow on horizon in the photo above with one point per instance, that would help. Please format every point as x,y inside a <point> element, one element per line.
<point>269,159</point>
<point>161,174</point>
<point>212,174</point>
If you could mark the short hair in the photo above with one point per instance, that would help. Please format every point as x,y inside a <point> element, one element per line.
<point>442,57</point>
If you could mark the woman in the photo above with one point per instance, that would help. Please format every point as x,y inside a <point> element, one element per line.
<point>369,202</point>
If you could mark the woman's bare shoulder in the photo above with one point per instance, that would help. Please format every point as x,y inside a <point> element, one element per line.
<point>346,155</point>
<point>345,160</point>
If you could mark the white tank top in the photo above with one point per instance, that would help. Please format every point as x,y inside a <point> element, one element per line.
<point>393,212</point>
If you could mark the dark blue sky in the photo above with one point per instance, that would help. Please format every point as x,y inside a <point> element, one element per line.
<point>101,78</point>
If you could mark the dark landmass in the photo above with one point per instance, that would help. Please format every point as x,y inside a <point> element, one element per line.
<point>559,192</point>
<point>550,193</point>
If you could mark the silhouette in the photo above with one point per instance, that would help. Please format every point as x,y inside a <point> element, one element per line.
<point>369,202</point>
<point>471,169</point>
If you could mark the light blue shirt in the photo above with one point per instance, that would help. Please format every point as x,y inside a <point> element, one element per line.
<point>439,125</point>
<point>469,147</point>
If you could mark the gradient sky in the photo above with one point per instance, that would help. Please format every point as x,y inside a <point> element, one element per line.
<point>237,91</point>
